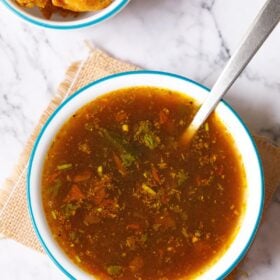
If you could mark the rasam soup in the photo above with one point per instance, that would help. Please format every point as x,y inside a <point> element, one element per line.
<point>125,201</point>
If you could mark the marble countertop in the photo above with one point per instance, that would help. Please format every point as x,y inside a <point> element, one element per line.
<point>194,38</point>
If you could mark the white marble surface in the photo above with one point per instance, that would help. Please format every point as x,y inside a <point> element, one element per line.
<point>190,37</point>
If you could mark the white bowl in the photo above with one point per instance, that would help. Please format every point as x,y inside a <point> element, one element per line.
<point>235,126</point>
<point>84,19</point>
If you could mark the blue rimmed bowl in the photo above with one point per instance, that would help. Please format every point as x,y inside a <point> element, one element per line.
<point>33,15</point>
<point>254,190</point>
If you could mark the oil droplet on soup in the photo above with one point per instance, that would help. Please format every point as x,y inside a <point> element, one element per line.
<point>125,201</point>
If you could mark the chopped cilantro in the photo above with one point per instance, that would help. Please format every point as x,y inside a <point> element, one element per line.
<point>69,209</point>
<point>127,159</point>
<point>182,177</point>
<point>114,270</point>
<point>128,156</point>
<point>114,139</point>
<point>145,135</point>
<point>144,237</point>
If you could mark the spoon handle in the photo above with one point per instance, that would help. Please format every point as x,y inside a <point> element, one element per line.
<point>257,33</point>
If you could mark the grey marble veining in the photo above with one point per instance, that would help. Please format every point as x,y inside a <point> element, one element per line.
<point>194,38</point>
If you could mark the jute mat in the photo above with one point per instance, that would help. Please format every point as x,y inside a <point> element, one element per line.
<point>14,218</point>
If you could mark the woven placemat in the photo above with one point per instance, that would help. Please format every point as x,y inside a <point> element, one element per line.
<point>14,218</point>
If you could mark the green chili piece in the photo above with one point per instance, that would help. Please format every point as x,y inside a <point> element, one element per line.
<point>148,190</point>
<point>65,166</point>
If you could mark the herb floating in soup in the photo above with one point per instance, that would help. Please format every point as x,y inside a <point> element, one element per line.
<point>124,201</point>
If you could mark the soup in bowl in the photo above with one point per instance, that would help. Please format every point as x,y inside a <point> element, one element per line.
<point>113,194</point>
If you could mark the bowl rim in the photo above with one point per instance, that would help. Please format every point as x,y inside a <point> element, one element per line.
<point>160,73</point>
<point>110,12</point>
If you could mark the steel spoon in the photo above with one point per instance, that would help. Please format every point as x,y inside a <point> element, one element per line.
<point>259,30</point>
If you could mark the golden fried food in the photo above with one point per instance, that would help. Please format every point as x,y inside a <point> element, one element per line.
<point>32,3</point>
<point>50,9</point>
<point>82,5</point>
<point>65,7</point>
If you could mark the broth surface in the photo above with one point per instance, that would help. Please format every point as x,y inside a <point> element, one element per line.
<point>124,201</point>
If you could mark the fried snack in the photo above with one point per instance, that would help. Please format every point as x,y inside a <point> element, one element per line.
<point>50,9</point>
<point>82,5</point>
<point>65,7</point>
<point>32,3</point>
